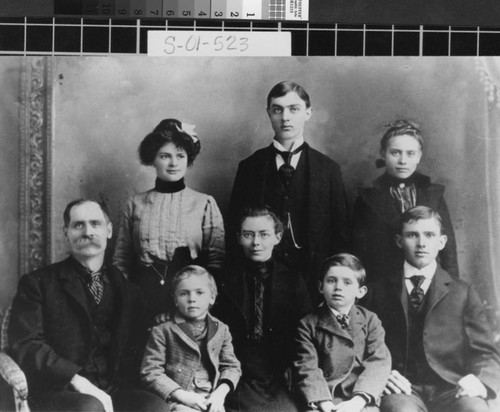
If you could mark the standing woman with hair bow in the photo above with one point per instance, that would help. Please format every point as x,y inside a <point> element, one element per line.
<point>378,209</point>
<point>170,226</point>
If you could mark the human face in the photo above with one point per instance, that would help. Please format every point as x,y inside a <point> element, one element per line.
<point>193,297</point>
<point>171,163</point>
<point>288,116</point>
<point>258,238</point>
<point>340,288</point>
<point>402,156</point>
<point>88,231</point>
<point>421,241</point>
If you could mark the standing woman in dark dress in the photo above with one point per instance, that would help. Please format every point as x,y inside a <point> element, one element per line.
<point>170,226</point>
<point>378,209</point>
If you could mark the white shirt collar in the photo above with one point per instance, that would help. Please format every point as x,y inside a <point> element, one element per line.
<point>427,271</point>
<point>336,312</point>
<point>297,142</point>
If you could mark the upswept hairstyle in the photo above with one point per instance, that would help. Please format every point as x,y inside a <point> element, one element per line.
<point>77,202</point>
<point>399,128</point>
<point>194,270</point>
<point>168,131</point>
<point>286,87</point>
<point>345,260</point>
<point>258,210</point>
<point>421,212</point>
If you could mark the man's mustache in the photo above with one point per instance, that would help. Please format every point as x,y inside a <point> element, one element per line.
<point>88,241</point>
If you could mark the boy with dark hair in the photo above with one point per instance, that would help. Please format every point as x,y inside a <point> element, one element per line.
<point>303,186</point>
<point>444,358</point>
<point>342,362</point>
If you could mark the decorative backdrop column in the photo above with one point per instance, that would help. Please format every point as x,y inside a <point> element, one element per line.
<point>35,172</point>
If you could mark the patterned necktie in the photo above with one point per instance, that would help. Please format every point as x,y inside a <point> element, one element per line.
<point>343,320</point>
<point>96,285</point>
<point>286,170</point>
<point>417,294</point>
<point>260,277</point>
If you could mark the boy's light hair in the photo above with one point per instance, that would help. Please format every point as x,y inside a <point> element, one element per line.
<point>420,213</point>
<point>345,260</point>
<point>194,270</point>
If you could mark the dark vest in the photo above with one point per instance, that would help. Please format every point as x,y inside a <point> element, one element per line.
<point>418,370</point>
<point>290,201</point>
<point>98,368</point>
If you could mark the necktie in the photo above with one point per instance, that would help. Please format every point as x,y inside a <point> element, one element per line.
<point>343,320</point>
<point>417,294</point>
<point>96,285</point>
<point>259,278</point>
<point>286,170</point>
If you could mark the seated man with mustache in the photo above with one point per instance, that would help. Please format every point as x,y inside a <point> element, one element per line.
<point>72,323</point>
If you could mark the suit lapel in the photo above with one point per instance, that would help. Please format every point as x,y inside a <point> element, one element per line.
<point>72,285</point>
<point>181,329</point>
<point>356,322</point>
<point>327,322</point>
<point>439,288</point>
<point>262,173</point>
<point>399,286</point>
<point>212,328</point>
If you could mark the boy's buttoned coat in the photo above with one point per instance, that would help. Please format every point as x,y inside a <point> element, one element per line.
<point>328,356</point>
<point>172,357</point>
<point>457,340</point>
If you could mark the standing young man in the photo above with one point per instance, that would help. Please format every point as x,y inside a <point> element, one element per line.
<point>303,186</point>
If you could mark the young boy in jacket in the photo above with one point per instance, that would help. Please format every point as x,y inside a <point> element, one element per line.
<point>189,360</point>
<point>342,363</point>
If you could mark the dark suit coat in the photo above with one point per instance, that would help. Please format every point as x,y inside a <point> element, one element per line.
<point>50,326</point>
<point>328,356</point>
<point>377,220</point>
<point>172,357</point>
<point>289,302</point>
<point>326,201</point>
<point>456,337</point>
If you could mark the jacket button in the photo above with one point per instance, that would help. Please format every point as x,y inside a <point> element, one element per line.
<point>329,346</point>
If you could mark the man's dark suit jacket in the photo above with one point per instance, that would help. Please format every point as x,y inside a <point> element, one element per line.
<point>457,339</point>
<point>326,201</point>
<point>50,326</point>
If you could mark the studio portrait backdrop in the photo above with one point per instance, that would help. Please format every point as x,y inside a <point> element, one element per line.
<point>95,111</point>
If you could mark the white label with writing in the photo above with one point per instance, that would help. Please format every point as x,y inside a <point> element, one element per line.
<point>219,43</point>
<point>297,10</point>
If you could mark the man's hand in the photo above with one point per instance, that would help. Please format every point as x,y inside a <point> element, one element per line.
<point>397,383</point>
<point>470,385</point>
<point>161,318</point>
<point>356,404</point>
<point>217,398</point>
<point>191,399</point>
<point>326,406</point>
<point>83,385</point>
